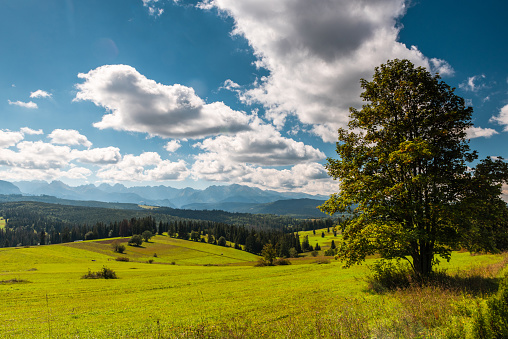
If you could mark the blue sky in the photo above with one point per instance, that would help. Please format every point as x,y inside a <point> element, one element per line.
<point>198,93</point>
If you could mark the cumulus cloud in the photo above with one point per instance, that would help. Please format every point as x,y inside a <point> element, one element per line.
<point>36,155</point>
<point>27,130</point>
<point>172,146</point>
<point>139,104</point>
<point>40,94</point>
<point>100,156</point>
<point>146,167</point>
<point>261,146</point>
<point>8,138</point>
<point>478,132</point>
<point>502,118</point>
<point>69,137</point>
<point>15,174</point>
<point>316,53</point>
<point>306,177</point>
<point>30,104</point>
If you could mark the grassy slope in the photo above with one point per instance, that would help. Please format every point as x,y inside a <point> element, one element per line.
<point>57,302</point>
<point>2,222</point>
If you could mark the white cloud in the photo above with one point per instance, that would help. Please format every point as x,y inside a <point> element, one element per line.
<point>473,84</point>
<point>262,146</point>
<point>307,177</point>
<point>30,104</point>
<point>69,137</point>
<point>101,156</point>
<point>154,7</point>
<point>40,94</point>
<point>16,174</point>
<point>478,132</point>
<point>316,53</point>
<point>139,104</point>
<point>27,130</point>
<point>230,85</point>
<point>146,167</point>
<point>502,118</point>
<point>8,138</point>
<point>172,146</point>
<point>36,155</point>
<point>442,67</point>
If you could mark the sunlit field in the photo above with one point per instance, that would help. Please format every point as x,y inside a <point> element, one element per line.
<point>189,290</point>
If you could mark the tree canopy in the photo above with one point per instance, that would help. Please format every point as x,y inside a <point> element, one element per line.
<point>406,174</point>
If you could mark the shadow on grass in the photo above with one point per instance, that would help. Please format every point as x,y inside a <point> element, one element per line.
<point>477,281</point>
<point>473,285</point>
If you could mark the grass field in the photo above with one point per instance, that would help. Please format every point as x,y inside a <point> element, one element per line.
<point>2,222</point>
<point>209,291</point>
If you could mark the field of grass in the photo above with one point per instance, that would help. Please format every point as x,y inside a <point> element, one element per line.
<point>209,291</point>
<point>2,222</point>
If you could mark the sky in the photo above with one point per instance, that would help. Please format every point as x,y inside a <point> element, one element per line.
<point>198,93</point>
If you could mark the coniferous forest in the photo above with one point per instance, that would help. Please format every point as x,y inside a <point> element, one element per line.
<point>35,223</point>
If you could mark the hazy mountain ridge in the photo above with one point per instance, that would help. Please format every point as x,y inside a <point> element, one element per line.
<point>8,188</point>
<point>155,195</point>
<point>306,208</point>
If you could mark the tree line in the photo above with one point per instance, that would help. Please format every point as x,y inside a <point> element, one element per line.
<point>27,227</point>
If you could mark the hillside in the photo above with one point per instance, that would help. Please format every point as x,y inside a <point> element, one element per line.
<point>297,208</point>
<point>213,292</point>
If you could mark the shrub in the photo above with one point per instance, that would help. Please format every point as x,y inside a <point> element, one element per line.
<point>492,323</point>
<point>104,273</point>
<point>322,261</point>
<point>387,275</point>
<point>122,259</point>
<point>150,260</point>
<point>135,240</point>
<point>293,253</point>
<point>330,252</point>
<point>282,261</point>
<point>314,253</point>
<point>118,247</point>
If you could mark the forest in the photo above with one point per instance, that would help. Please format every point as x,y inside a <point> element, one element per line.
<point>35,223</point>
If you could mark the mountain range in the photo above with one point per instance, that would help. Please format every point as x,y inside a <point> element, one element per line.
<point>231,198</point>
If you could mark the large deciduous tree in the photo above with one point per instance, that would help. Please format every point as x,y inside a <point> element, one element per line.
<point>405,175</point>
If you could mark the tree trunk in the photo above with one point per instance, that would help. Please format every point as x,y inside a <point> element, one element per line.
<point>422,261</point>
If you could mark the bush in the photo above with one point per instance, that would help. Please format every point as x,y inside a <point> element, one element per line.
<point>150,260</point>
<point>104,273</point>
<point>492,323</point>
<point>135,240</point>
<point>322,261</point>
<point>387,275</point>
<point>282,261</point>
<point>118,247</point>
<point>122,259</point>
<point>314,253</point>
<point>293,253</point>
<point>330,252</point>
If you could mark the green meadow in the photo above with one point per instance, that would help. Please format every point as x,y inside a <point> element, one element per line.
<point>199,290</point>
<point>2,222</point>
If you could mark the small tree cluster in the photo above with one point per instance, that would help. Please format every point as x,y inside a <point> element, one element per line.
<point>135,240</point>
<point>118,247</point>
<point>104,273</point>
